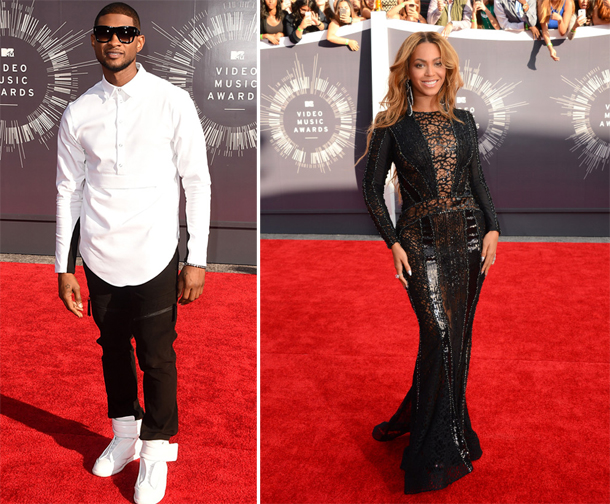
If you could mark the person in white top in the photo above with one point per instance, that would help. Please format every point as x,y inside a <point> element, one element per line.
<point>452,14</point>
<point>517,15</point>
<point>123,148</point>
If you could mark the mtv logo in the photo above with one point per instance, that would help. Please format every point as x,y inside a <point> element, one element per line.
<point>460,99</point>
<point>309,103</point>
<point>238,55</point>
<point>8,52</point>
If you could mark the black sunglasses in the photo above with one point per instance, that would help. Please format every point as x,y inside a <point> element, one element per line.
<point>125,34</point>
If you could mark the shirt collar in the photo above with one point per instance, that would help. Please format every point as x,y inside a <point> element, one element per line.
<point>132,88</point>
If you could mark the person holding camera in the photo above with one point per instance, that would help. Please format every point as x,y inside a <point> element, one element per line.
<point>407,11</point>
<point>592,13</point>
<point>484,16</point>
<point>344,15</point>
<point>306,17</point>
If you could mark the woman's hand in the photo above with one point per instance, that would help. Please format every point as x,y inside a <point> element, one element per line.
<point>401,263</point>
<point>581,20</point>
<point>273,38</point>
<point>307,22</point>
<point>315,20</point>
<point>553,53</point>
<point>479,6</point>
<point>556,16</point>
<point>345,18</point>
<point>412,13</point>
<point>488,253</point>
<point>353,45</point>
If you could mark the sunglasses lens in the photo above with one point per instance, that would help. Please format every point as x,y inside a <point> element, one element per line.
<point>102,33</point>
<point>126,34</point>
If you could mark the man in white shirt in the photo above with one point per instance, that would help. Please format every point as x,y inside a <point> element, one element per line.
<point>123,148</point>
<point>517,15</point>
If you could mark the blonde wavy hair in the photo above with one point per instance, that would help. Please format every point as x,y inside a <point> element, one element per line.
<point>395,101</point>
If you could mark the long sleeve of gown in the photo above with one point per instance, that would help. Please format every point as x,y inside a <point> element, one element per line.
<point>378,165</point>
<point>479,186</point>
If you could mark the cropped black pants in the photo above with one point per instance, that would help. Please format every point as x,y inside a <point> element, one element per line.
<point>147,313</point>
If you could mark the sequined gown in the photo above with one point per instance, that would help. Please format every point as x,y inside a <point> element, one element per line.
<point>447,210</point>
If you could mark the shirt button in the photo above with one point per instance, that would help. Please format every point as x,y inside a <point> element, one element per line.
<point>120,165</point>
<point>120,145</point>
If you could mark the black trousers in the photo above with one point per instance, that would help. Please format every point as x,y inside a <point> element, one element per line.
<point>147,313</point>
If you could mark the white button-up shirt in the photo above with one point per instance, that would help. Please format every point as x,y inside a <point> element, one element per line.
<point>121,152</point>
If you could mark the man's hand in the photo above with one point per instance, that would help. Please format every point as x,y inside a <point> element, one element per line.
<point>67,285</point>
<point>447,30</point>
<point>190,284</point>
<point>535,32</point>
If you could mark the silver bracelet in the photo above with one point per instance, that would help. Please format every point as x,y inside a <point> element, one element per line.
<point>195,265</point>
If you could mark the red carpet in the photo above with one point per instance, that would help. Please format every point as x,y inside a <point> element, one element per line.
<point>53,412</point>
<point>338,346</point>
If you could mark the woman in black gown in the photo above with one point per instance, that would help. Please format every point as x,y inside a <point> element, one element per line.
<point>443,246</point>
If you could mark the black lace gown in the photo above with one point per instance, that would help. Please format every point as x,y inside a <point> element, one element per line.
<point>447,210</point>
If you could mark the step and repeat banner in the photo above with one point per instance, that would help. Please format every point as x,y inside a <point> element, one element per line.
<point>544,128</point>
<point>315,108</point>
<point>207,47</point>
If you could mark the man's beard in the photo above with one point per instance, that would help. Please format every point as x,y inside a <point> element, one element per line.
<point>118,68</point>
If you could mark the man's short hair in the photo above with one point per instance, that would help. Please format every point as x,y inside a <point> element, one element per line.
<point>119,8</point>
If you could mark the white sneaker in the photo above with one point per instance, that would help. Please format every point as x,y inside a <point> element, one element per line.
<point>152,478</point>
<point>124,447</point>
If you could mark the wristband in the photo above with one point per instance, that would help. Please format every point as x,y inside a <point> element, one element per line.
<point>300,29</point>
<point>527,27</point>
<point>550,44</point>
<point>346,41</point>
<point>261,36</point>
<point>195,265</point>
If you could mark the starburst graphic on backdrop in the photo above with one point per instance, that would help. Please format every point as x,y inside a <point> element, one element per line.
<point>18,22</point>
<point>595,151</point>
<point>179,64</point>
<point>494,96</point>
<point>298,83</point>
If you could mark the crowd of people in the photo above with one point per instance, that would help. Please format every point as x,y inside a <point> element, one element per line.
<point>293,19</point>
